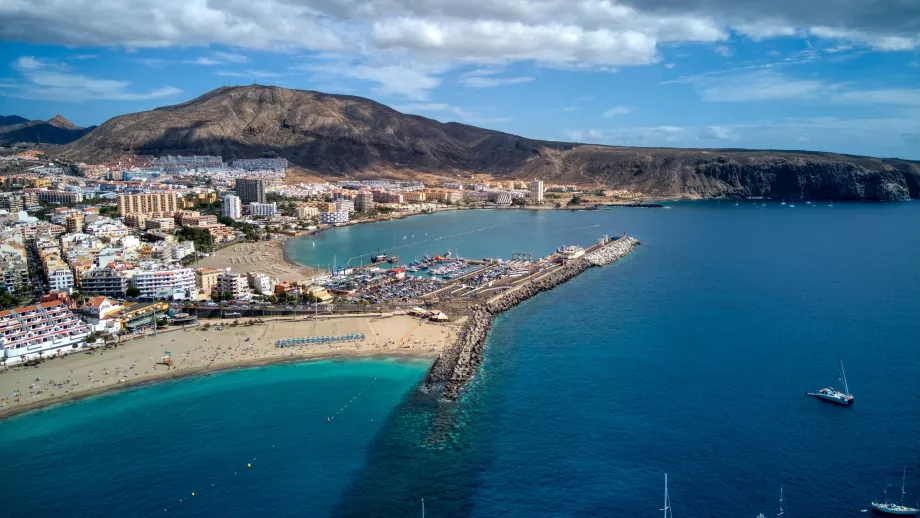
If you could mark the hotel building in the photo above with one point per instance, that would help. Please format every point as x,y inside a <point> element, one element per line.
<point>32,330</point>
<point>165,203</point>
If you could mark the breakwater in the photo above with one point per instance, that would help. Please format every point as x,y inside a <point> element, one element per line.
<point>457,364</point>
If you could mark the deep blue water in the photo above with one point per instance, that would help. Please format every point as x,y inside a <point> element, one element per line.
<point>691,357</point>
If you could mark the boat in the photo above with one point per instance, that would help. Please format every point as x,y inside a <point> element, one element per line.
<point>900,509</point>
<point>784,201</point>
<point>667,500</point>
<point>831,204</point>
<point>393,259</point>
<point>379,257</point>
<point>833,394</point>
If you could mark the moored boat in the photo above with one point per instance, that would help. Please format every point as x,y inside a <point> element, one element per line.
<point>892,508</point>
<point>834,394</point>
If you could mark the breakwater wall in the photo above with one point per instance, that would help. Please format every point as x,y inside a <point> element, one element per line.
<point>458,362</point>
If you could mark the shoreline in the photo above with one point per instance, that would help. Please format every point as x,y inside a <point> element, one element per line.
<point>9,412</point>
<point>200,351</point>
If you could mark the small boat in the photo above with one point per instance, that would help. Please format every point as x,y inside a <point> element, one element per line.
<point>900,509</point>
<point>831,204</point>
<point>833,394</point>
<point>784,201</point>
<point>393,259</point>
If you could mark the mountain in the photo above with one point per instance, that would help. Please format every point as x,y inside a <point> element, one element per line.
<point>53,131</point>
<point>340,135</point>
<point>7,120</point>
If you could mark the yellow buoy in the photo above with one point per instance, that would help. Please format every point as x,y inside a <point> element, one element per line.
<point>248,465</point>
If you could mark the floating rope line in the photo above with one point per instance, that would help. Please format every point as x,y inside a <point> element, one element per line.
<point>352,400</point>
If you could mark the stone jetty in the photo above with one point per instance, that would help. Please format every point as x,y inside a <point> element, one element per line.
<point>457,364</point>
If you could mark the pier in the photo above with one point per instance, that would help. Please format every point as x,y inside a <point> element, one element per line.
<point>457,364</point>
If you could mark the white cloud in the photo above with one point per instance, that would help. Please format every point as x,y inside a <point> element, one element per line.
<point>723,50</point>
<point>717,133</point>
<point>49,81</point>
<point>460,113</point>
<point>228,57</point>
<point>204,61</point>
<point>566,109</point>
<point>410,80</point>
<point>485,78</point>
<point>898,97</point>
<point>670,66</point>
<point>616,110</point>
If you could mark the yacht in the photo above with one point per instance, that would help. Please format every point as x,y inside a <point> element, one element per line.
<point>834,394</point>
<point>900,509</point>
<point>784,201</point>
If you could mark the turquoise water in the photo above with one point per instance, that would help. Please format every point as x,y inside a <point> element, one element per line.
<point>142,452</point>
<point>690,357</point>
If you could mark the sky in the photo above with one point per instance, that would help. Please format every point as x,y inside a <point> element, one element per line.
<point>825,75</point>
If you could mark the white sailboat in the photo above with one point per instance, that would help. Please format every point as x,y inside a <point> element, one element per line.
<point>834,394</point>
<point>831,204</point>
<point>893,508</point>
<point>667,500</point>
<point>784,201</point>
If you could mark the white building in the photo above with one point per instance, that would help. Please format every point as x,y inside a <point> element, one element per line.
<point>536,191</point>
<point>236,284</point>
<point>305,212</point>
<point>232,208</point>
<point>32,331</point>
<point>60,279</point>
<point>262,209</point>
<point>183,249</point>
<point>261,283</point>
<point>346,205</point>
<point>332,218</point>
<point>159,282</point>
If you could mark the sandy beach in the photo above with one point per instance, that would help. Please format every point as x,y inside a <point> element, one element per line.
<point>266,257</point>
<point>196,350</point>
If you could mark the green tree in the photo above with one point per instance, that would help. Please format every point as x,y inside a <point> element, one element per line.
<point>574,201</point>
<point>133,292</point>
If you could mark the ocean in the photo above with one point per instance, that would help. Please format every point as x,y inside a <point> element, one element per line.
<point>690,357</point>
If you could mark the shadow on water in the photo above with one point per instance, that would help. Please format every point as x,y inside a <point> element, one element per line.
<point>424,451</point>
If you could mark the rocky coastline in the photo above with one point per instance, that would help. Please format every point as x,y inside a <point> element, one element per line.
<point>457,363</point>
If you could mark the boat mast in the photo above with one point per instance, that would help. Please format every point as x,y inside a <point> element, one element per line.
<point>846,388</point>
<point>667,501</point>
<point>423,508</point>
<point>781,511</point>
<point>903,475</point>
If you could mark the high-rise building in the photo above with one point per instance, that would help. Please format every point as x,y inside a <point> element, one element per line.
<point>75,223</point>
<point>364,201</point>
<point>236,284</point>
<point>232,207</point>
<point>165,203</point>
<point>250,190</point>
<point>536,191</point>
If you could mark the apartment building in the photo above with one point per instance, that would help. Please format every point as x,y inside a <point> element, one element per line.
<point>232,207</point>
<point>165,203</point>
<point>250,190</point>
<point>364,202</point>
<point>387,197</point>
<point>536,191</point>
<point>74,223</point>
<point>261,283</point>
<point>206,280</point>
<point>262,209</point>
<point>415,196</point>
<point>111,279</point>
<point>32,331</point>
<point>236,284</point>
<point>164,282</point>
<point>334,217</point>
<point>14,275</point>
<point>306,212</point>
<point>346,205</point>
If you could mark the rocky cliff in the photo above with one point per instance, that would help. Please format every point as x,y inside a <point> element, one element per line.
<point>340,135</point>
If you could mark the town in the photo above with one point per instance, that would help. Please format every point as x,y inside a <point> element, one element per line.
<point>97,253</point>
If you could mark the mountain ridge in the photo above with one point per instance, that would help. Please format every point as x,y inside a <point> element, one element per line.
<point>57,130</point>
<point>336,136</point>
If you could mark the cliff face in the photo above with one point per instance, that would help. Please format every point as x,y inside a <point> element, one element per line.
<point>340,135</point>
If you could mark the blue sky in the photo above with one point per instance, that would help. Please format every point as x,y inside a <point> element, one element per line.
<point>785,74</point>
